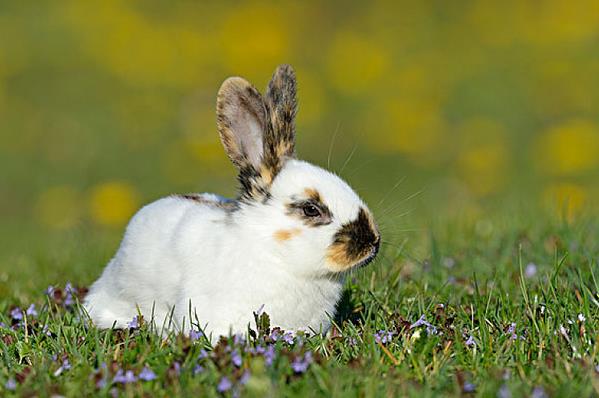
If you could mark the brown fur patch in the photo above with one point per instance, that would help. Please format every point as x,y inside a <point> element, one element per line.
<point>313,194</point>
<point>283,235</point>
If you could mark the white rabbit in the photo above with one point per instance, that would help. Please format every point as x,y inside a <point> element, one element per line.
<point>284,244</point>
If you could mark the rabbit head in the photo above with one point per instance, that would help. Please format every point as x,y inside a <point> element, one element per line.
<point>304,215</point>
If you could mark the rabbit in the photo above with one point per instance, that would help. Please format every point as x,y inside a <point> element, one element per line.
<point>284,245</point>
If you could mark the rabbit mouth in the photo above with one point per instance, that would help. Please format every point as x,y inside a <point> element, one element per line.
<point>371,256</point>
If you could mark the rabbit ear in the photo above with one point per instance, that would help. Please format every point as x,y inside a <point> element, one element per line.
<point>241,119</point>
<point>280,99</point>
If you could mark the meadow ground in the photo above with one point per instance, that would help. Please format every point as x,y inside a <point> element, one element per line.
<point>506,306</point>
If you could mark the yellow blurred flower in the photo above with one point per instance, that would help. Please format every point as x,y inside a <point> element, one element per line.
<point>569,148</point>
<point>254,39</point>
<point>59,207</point>
<point>355,64</point>
<point>483,155</point>
<point>113,203</point>
<point>136,48</point>
<point>565,198</point>
<point>413,128</point>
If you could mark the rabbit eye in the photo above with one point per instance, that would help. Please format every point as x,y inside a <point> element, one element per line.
<point>311,210</point>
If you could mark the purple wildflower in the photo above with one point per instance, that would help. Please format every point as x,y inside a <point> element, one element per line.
<point>275,334</point>
<point>245,377</point>
<point>198,369</point>
<point>238,339</point>
<point>70,291</point>
<point>504,392</point>
<point>300,365</point>
<point>236,358</point>
<point>195,334</point>
<point>49,290</point>
<point>16,314</point>
<point>2,325</point>
<point>66,365</point>
<point>383,336</point>
<point>530,270</point>
<point>124,377</point>
<point>31,311</point>
<point>134,324</point>
<point>538,392</point>
<point>288,337</point>
<point>352,341</point>
<point>177,368</point>
<point>469,387</point>
<point>203,354</point>
<point>512,331</point>
<point>147,374</point>
<point>10,385</point>
<point>269,355</point>
<point>470,342</point>
<point>224,385</point>
<point>430,329</point>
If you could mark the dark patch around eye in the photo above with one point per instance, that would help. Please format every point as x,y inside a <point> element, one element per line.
<point>296,209</point>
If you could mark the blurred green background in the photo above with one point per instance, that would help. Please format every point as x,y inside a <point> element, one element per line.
<point>473,106</point>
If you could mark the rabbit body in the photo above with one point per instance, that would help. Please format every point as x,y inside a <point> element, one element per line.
<point>283,245</point>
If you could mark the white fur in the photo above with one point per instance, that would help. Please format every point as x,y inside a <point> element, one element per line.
<point>179,253</point>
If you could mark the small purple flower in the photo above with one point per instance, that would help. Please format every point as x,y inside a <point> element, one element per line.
<point>203,354</point>
<point>69,300</point>
<point>177,368</point>
<point>538,392</point>
<point>245,377</point>
<point>470,342</point>
<point>2,325</point>
<point>124,377</point>
<point>530,270</point>
<point>69,288</point>
<point>288,337</point>
<point>430,329</point>
<point>195,334</point>
<point>10,385</point>
<point>352,341</point>
<point>512,331</point>
<point>134,324</point>
<point>49,290</point>
<point>16,314</point>
<point>383,336</point>
<point>198,369</point>
<point>66,365</point>
<point>300,365</point>
<point>469,387</point>
<point>238,339</point>
<point>101,383</point>
<point>31,311</point>
<point>236,358</point>
<point>269,355</point>
<point>224,385</point>
<point>504,392</point>
<point>147,374</point>
<point>275,334</point>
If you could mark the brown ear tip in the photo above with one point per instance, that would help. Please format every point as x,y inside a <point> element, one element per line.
<point>233,83</point>
<point>285,69</point>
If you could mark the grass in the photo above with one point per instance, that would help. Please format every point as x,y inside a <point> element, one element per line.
<point>507,307</point>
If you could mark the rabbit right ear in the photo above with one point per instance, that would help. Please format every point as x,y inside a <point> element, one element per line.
<point>241,119</point>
